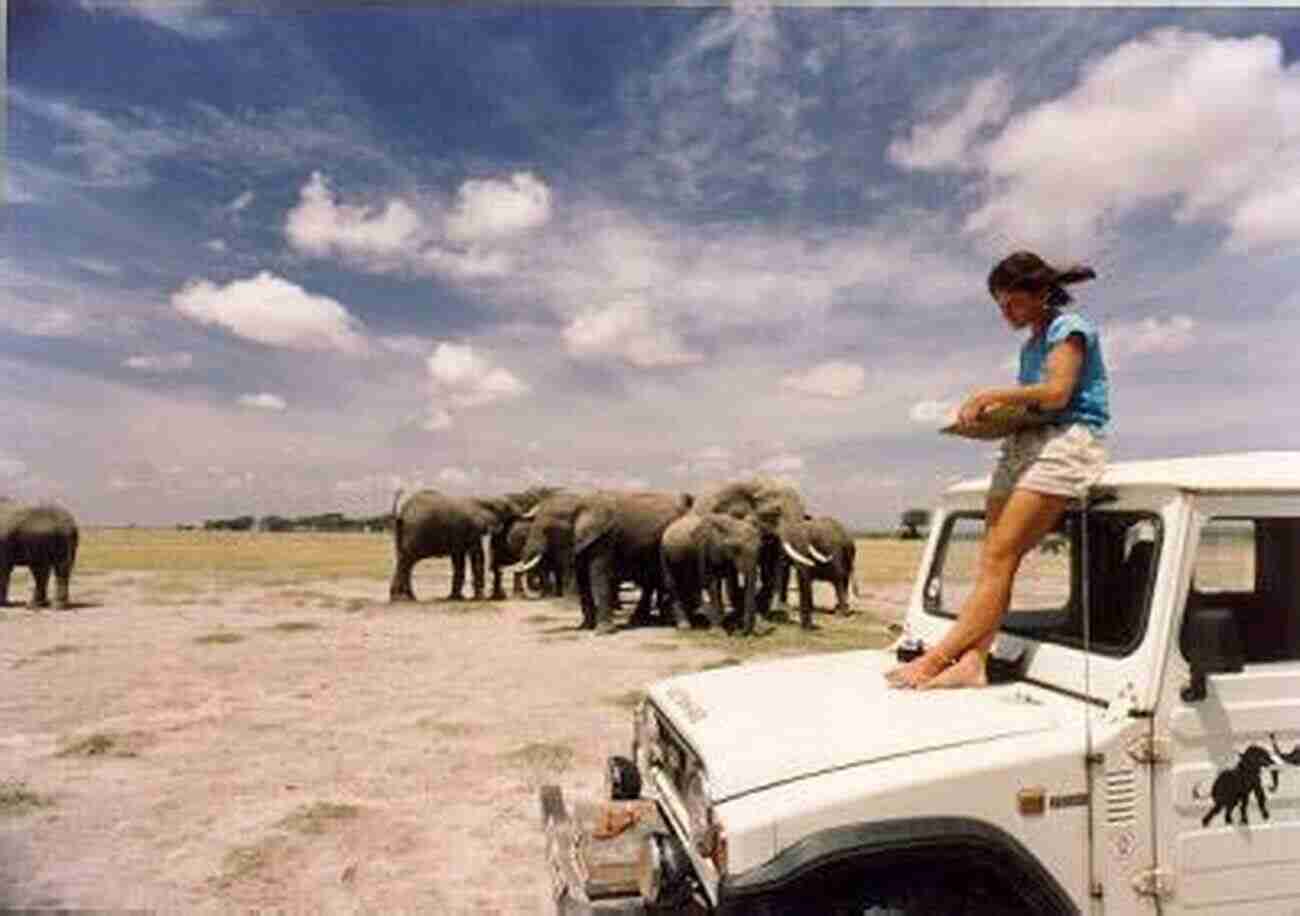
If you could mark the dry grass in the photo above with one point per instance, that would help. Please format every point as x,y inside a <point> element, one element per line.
<point>16,799</point>
<point>238,555</point>
<point>319,817</point>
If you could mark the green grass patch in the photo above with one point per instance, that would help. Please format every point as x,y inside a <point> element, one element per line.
<point>728,662</point>
<point>318,817</point>
<point>630,699</point>
<point>542,756</point>
<point>16,799</point>
<point>244,862</point>
<point>447,729</point>
<point>103,744</point>
<point>296,626</point>
<point>660,646</point>
<point>215,639</point>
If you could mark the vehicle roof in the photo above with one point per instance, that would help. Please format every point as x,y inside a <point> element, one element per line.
<point>1226,472</point>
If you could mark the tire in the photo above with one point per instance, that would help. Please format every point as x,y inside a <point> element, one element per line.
<point>912,889</point>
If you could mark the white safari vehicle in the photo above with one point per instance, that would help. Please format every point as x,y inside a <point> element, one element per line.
<point>1138,752</point>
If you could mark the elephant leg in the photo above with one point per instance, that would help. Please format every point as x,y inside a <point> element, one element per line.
<point>672,593</point>
<point>644,605</point>
<point>517,589</point>
<point>717,610</point>
<point>400,588</point>
<point>457,576</point>
<point>841,592</point>
<point>582,575</point>
<point>41,577</point>
<point>476,568</point>
<point>779,600</point>
<point>604,592</point>
<point>62,578</point>
<point>806,599</point>
<point>6,569</point>
<point>769,561</point>
<point>498,590</point>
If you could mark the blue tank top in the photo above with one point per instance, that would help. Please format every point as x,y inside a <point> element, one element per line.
<point>1090,402</point>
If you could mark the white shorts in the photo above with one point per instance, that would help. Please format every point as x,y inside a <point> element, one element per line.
<point>1057,460</point>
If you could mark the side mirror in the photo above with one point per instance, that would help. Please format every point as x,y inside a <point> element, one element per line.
<point>1211,643</point>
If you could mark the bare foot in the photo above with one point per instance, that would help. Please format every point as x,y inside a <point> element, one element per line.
<point>968,671</point>
<point>916,672</point>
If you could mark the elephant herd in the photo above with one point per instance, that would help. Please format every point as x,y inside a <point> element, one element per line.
<point>746,535</point>
<point>744,538</point>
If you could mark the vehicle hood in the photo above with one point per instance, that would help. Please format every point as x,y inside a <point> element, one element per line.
<point>759,725</point>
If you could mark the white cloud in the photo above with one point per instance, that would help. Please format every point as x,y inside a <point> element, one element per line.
<point>163,362</point>
<point>627,331</point>
<point>241,203</point>
<point>190,18</point>
<point>320,226</point>
<point>787,464</point>
<point>263,401</point>
<point>944,142</point>
<point>1148,336</point>
<point>270,310</point>
<point>466,379</point>
<point>217,245</point>
<point>56,322</point>
<point>829,380</point>
<point>11,467</point>
<point>96,266</point>
<point>1211,124</point>
<point>490,209</point>
<point>457,477</point>
<point>437,420</point>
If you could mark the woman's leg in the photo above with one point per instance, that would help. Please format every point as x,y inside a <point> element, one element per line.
<point>958,659</point>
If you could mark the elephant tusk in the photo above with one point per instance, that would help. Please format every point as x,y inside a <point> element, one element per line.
<point>796,555</point>
<point>526,565</point>
<point>818,555</point>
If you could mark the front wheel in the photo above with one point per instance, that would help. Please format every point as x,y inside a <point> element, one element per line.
<point>914,889</point>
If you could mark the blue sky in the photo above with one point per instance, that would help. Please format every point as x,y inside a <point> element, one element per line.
<point>287,263</point>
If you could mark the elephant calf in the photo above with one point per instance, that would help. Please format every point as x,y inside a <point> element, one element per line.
<point>699,552</point>
<point>42,538</point>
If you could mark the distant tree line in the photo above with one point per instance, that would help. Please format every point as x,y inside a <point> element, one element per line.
<point>325,521</point>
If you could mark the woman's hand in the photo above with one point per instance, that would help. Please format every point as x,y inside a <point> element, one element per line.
<point>975,405</point>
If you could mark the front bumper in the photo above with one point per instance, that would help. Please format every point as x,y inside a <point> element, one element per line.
<point>597,855</point>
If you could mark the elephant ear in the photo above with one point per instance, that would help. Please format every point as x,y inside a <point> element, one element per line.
<point>594,520</point>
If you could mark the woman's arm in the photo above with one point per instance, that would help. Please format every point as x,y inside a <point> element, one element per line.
<point>1062,368</point>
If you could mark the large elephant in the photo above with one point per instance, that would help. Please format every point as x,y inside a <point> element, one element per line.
<point>699,552</point>
<point>432,524</point>
<point>42,538</point>
<point>778,511</point>
<point>612,536</point>
<point>616,538</point>
<point>830,539</point>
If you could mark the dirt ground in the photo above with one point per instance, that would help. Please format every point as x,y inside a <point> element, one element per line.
<point>305,749</point>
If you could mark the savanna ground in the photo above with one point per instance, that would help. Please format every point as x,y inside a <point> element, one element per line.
<point>236,721</point>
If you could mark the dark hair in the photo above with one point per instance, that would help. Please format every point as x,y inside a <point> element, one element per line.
<point>1026,270</point>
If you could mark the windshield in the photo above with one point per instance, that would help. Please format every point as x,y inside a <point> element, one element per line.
<point>1047,597</point>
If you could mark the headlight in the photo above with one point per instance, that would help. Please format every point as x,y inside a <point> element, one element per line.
<point>646,746</point>
<point>706,832</point>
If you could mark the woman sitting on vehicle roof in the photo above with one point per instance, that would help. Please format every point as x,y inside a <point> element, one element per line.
<point>1039,469</point>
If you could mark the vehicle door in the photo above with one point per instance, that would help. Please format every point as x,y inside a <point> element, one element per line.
<point>1227,793</point>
